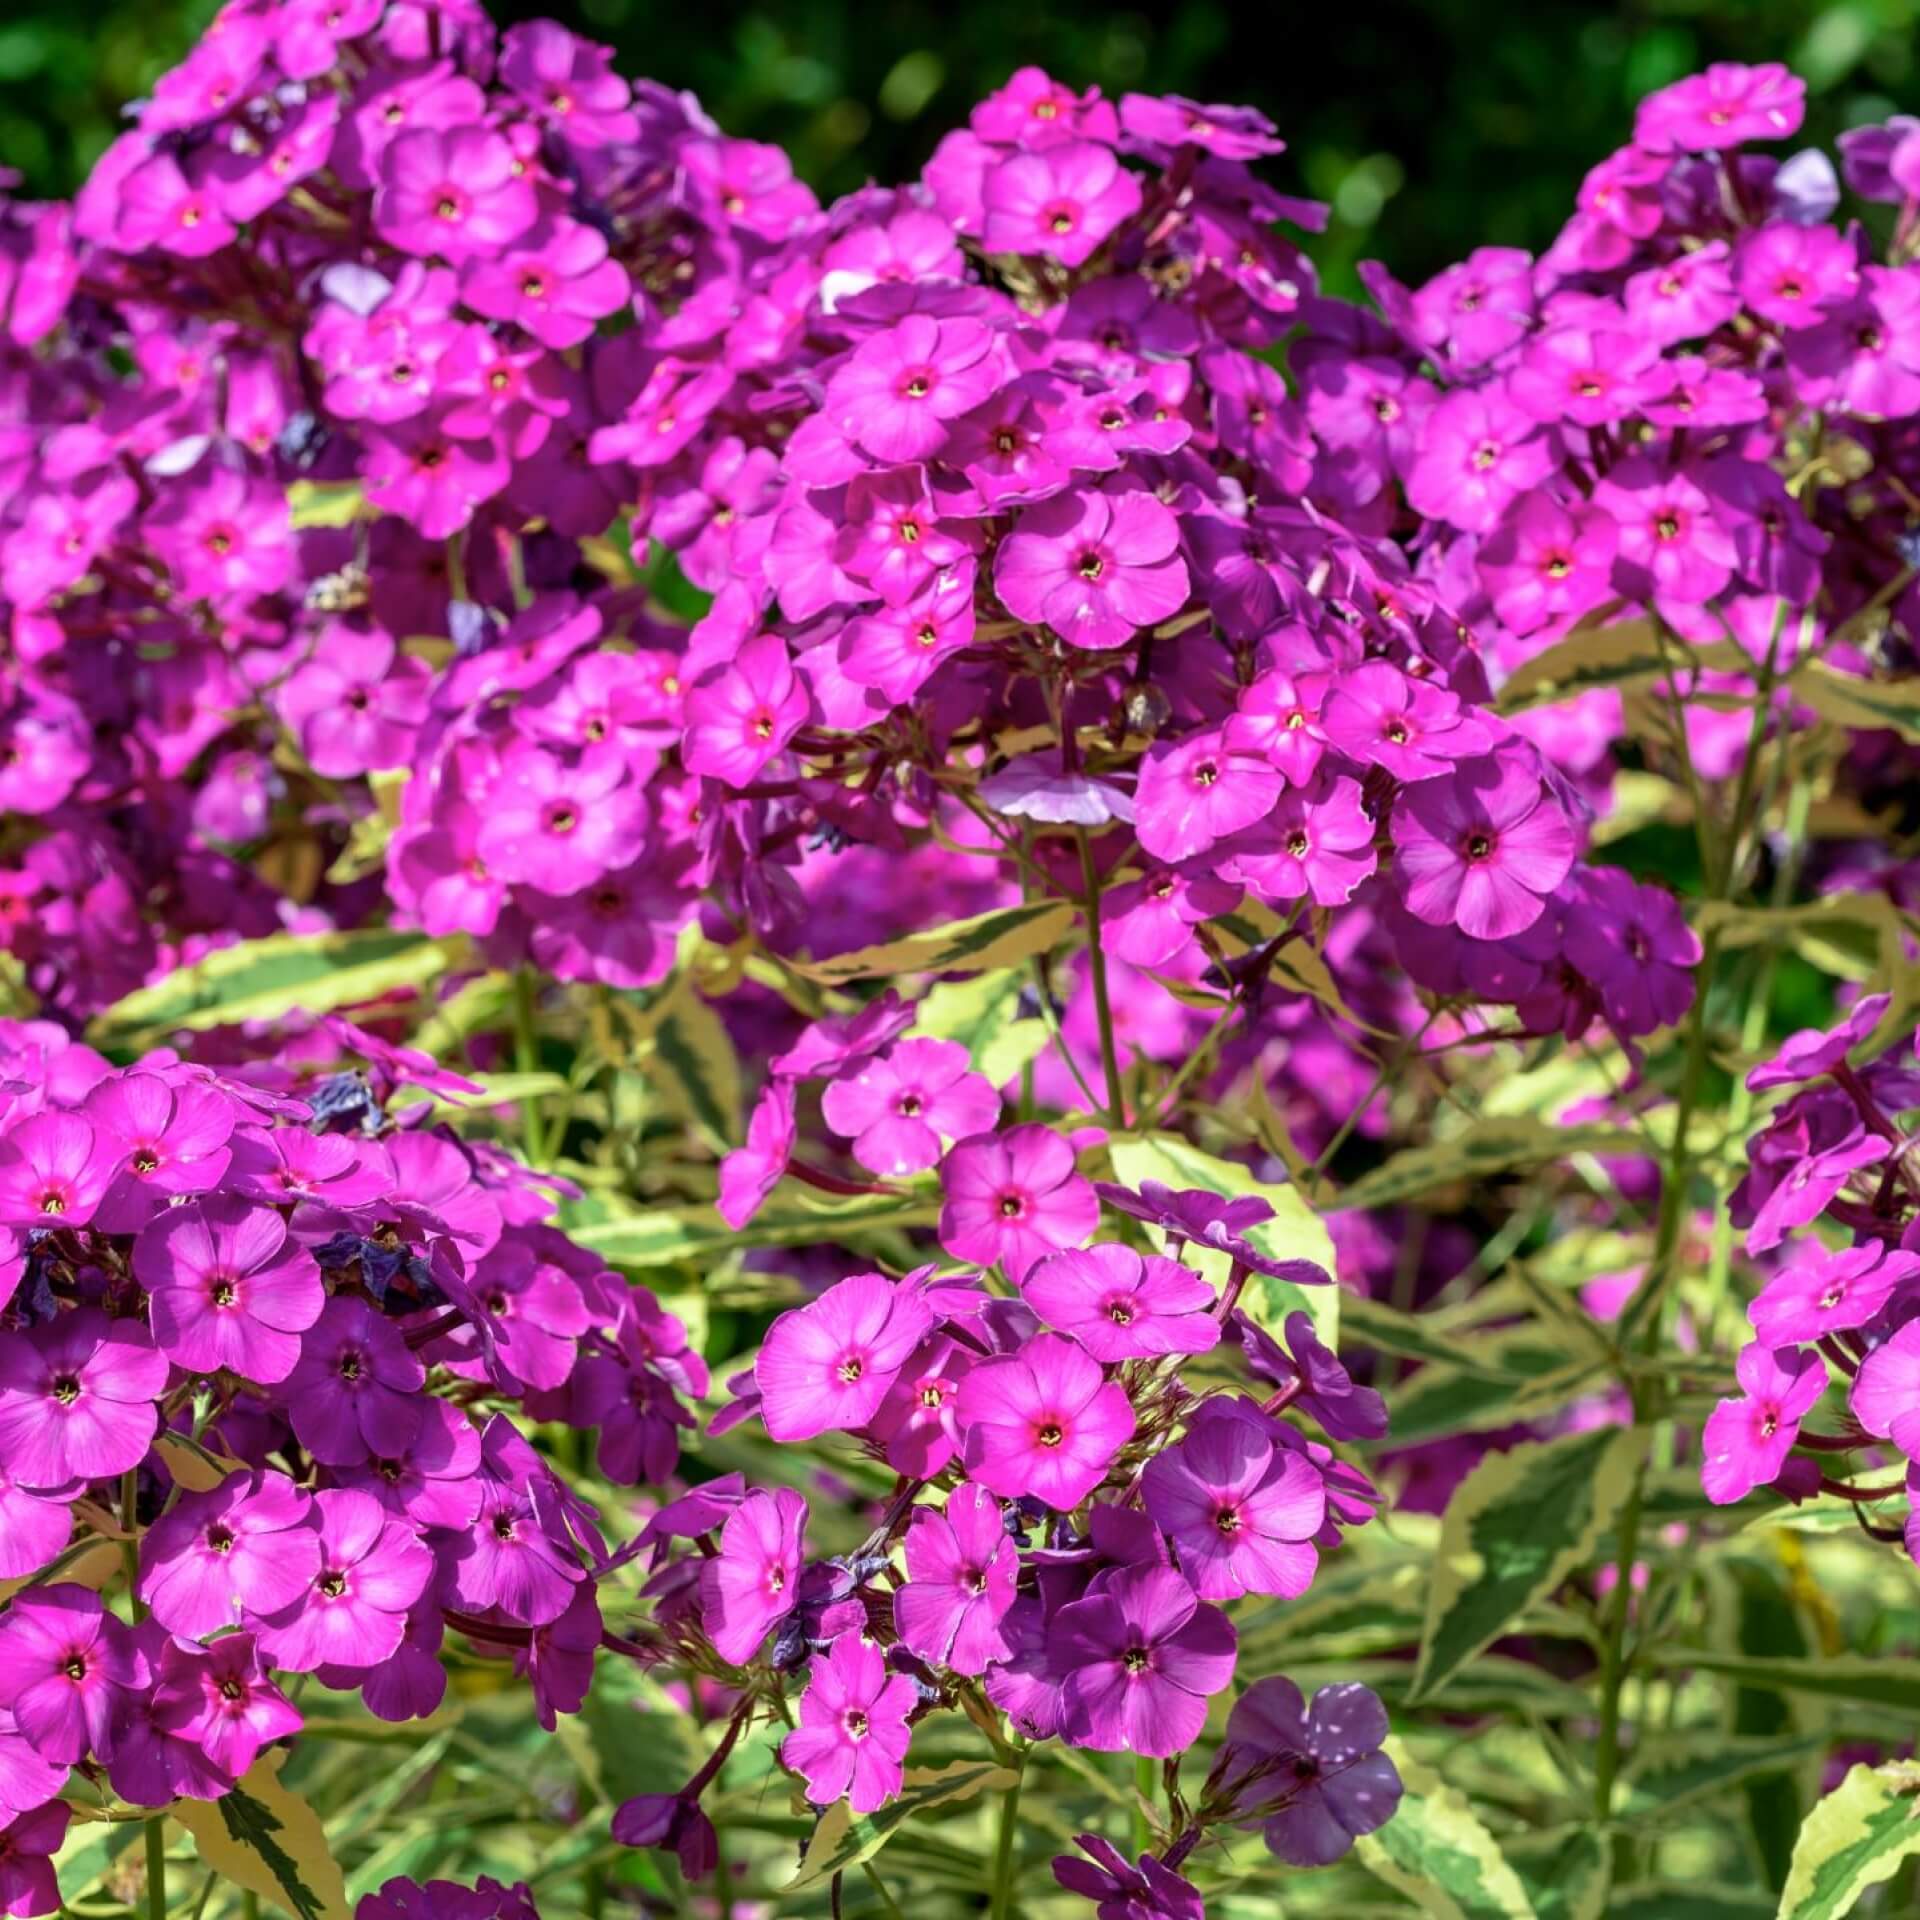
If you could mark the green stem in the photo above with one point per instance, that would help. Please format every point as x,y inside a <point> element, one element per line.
<point>1613,1652</point>
<point>526,1057</point>
<point>130,1546</point>
<point>1097,967</point>
<point>889,1905</point>
<point>157,1869</point>
<point>1143,1782</point>
<point>1001,1905</point>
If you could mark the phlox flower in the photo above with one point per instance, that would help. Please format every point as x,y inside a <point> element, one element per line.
<point>1060,203</point>
<point>755,1578</point>
<point>1042,1422</point>
<point>962,1568</point>
<point>354,1390</point>
<point>1825,1293</point>
<point>77,1398</point>
<point>353,1611</point>
<point>853,1735</point>
<point>1121,1305</point>
<point>1012,1198</point>
<point>829,1365</point>
<point>898,1108</point>
<point>457,194</point>
<point>247,1545</point>
<point>1746,1440</point>
<point>743,714</point>
<point>66,1666</point>
<point>1199,791</point>
<point>894,397</point>
<point>1095,567</point>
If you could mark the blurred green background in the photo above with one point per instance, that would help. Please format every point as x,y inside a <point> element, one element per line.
<point>1431,126</point>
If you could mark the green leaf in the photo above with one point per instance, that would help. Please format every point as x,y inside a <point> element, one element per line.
<point>1436,1851</point>
<point>1487,1147</point>
<point>1411,1336</point>
<point>269,1841</point>
<point>843,1839</point>
<point>259,980</point>
<point>1677,1770</point>
<point>312,503</point>
<point>1506,1366</point>
<point>661,1236</point>
<point>1611,656</point>
<point>1295,1232</point>
<point>982,1014</point>
<point>1652,1900</point>
<point>1854,1839</point>
<point>1514,1529</point>
<point>1881,705</point>
<point>1892,1685</point>
<point>1568,1881</point>
<point>980,944</point>
<point>690,1059</point>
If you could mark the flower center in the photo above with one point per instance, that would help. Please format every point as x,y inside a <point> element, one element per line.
<point>220,1539</point>
<point>66,1389</point>
<point>1120,1312</point>
<point>1478,846</point>
<point>1012,1206</point>
<point>1667,526</point>
<point>350,1366</point>
<point>145,1160</point>
<point>75,1667</point>
<point>1227,1520</point>
<point>851,1368</point>
<point>231,1689</point>
<point>1049,1433</point>
<point>1136,1659</point>
<point>1297,843</point>
<point>222,1293</point>
<point>855,1723</point>
<point>1090,566</point>
<point>332,1583</point>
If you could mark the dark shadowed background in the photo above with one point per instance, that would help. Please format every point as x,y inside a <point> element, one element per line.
<point>1431,126</point>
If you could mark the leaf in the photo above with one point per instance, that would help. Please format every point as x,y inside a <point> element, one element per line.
<point>1514,1529</point>
<point>89,1562</point>
<point>1854,1839</point>
<point>1297,965</point>
<point>313,503</point>
<point>1880,705</point>
<point>1436,1851</point>
<point>1654,1900</point>
<point>843,1839</point>
<point>662,1235</point>
<point>1411,1337</point>
<point>1569,1882</point>
<point>1679,1769</point>
<point>1443,1400</point>
<point>692,1062</point>
<point>982,1014</point>
<point>193,1466</point>
<point>1893,1685</point>
<point>1611,656</point>
<point>1487,1147</point>
<point>1295,1232</point>
<point>269,1841</point>
<point>976,945</point>
<point>259,980</point>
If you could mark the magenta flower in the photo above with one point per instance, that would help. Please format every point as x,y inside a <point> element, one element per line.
<point>66,1666</point>
<point>830,1364</point>
<point>353,1612</point>
<point>751,1172</point>
<point>743,714</point>
<point>173,1139</point>
<point>1060,203</point>
<point>55,1169</point>
<point>35,1526</point>
<point>357,703</point>
<point>1634,944</point>
<point>1794,275</point>
<point>1382,717</point>
<point>916,1423</point>
<point>1121,1305</point>
<point>1325,1391</point>
<point>1316,1774</point>
<point>515,1554</point>
<point>458,194</point>
<point>220,1700</point>
<point>1043,1421</point>
<point>1746,1441</point>
<point>1317,842</point>
<point>1141,1655</point>
<point>1814,1051</point>
<point>1201,790</point>
<point>1481,850</point>
<point>895,396</point>
<point>353,1391</point>
<point>899,1108</point>
<point>1013,1198</point>
<point>852,1738</point>
<point>755,1579</point>
<point>557,283</point>
<point>28,1843</point>
<point>1095,567</point>
<point>1671,543</point>
<point>1885,1397</point>
<point>76,1398</point>
<point>559,825</point>
<point>1241,1512</point>
<point>1724,107</point>
<point>962,1568</point>
<point>227,1288</point>
<point>1478,453</point>
<point>1827,1293</point>
<point>1545,564</point>
<point>246,1545</point>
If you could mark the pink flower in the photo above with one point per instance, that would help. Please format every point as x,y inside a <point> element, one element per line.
<point>458,194</point>
<point>1200,790</point>
<point>218,1699</point>
<point>1014,1197</point>
<point>431,477</point>
<point>743,714</point>
<point>1746,1441</point>
<point>354,1391</point>
<point>226,1288</point>
<point>1670,541</point>
<point>962,1569</point>
<point>1043,1421</point>
<point>1095,567</point>
<point>560,824</point>
<point>1482,850</point>
<point>27,1846</point>
<point>1141,1657</point>
<point>357,704</point>
<point>1724,107</point>
<point>1825,1293</point>
<point>897,1109</point>
<point>1792,275</point>
<point>1318,841</point>
<point>1241,1511</point>
<point>55,1169</point>
<point>755,1578</point>
<point>894,397</point>
<point>1060,203</point>
<point>173,1139</point>
<point>76,1398</point>
<point>1545,564</point>
<point>829,1365</point>
<point>66,1665</point>
<point>750,1173</point>
<point>1121,1305</point>
<point>852,1738</point>
<point>1477,451</point>
<point>1385,718</point>
<point>246,1544</point>
<point>354,1612</point>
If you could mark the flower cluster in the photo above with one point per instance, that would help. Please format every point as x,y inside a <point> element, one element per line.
<point>268,1335</point>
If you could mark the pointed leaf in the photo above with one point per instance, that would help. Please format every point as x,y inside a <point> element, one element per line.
<point>843,1839</point>
<point>1436,1851</point>
<point>1854,1839</point>
<point>979,944</point>
<point>268,1840</point>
